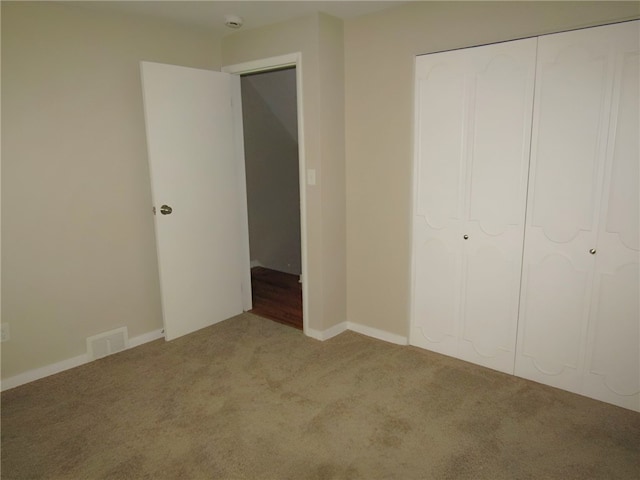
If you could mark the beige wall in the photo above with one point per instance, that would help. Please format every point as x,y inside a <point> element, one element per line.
<point>379,55</point>
<point>333,171</point>
<point>78,251</point>
<point>319,39</point>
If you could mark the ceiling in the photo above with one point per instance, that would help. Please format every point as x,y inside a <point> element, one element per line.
<point>211,14</point>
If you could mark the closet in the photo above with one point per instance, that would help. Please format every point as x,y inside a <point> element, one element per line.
<point>525,219</point>
<point>473,122</point>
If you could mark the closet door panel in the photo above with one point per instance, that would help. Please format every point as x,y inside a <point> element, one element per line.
<point>501,102</point>
<point>437,295</point>
<point>578,325</point>
<point>612,370</point>
<point>613,362</point>
<point>490,307</point>
<point>441,96</point>
<point>568,135</point>
<point>440,128</point>
<point>501,126</point>
<point>554,299</point>
<point>473,122</point>
<point>623,205</point>
<point>572,101</point>
<point>552,336</point>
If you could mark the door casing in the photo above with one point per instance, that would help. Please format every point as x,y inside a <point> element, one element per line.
<point>264,65</point>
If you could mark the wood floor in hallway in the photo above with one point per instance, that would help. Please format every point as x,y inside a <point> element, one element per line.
<point>277,296</point>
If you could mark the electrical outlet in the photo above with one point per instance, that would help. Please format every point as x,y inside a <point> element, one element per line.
<point>4,332</point>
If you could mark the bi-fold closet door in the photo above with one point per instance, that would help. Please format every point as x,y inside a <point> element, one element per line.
<point>565,310</point>
<point>579,324</point>
<point>473,125</point>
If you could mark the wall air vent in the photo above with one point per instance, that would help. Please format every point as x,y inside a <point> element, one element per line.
<point>106,343</point>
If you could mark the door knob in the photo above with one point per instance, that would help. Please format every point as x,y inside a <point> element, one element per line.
<point>166,210</point>
<point>592,251</point>
<point>466,237</point>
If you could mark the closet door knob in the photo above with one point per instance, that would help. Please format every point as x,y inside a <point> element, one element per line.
<point>592,251</point>
<point>166,210</point>
<point>466,237</point>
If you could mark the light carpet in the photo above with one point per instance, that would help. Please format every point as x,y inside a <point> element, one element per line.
<point>252,399</point>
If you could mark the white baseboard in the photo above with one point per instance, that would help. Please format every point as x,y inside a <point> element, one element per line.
<point>42,372</point>
<point>69,363</point>
<point>146,338</point>
<point>379,334</point>
<point>323,335</point>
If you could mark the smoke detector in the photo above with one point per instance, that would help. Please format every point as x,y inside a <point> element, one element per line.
<point>233,21</point>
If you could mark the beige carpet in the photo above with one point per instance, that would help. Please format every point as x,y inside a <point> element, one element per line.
<point>253,399</point>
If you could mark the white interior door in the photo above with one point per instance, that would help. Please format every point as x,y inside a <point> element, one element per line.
<point>612,370</point>
<point>501,104</point>
<point>440,126</point>
<point>192,160</point>
<point>579,325</point>
<point>473,118</point>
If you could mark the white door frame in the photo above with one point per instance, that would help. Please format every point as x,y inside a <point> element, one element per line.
<point>263,65</point>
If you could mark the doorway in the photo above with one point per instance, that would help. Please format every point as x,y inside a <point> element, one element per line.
<point>283,277</point>
<point>270,128</point>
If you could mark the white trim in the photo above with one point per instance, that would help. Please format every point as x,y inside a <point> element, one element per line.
<point>323,335</point>
<point>146,338</point>
<point>238,129</point>
<point>42,372</point>
<point>69,363</point>
<point>326,334</point>
<point>52,369</point>
<point>265,64</point>
<point>412,206</point>
<point>271,63</point>
<point>379,334</point>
